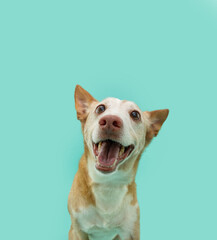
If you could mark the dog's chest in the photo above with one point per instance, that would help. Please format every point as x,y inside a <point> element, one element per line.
<point>113,214</point>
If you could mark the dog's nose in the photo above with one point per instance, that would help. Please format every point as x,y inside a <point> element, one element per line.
<point>110,122</point>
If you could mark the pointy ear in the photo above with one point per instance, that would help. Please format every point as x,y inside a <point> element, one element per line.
<point>83,101</point>
<point>156,120</point>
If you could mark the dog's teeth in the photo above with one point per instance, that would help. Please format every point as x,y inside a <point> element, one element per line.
<point>114,163</point>
<point>99,146</point>
<point>121,151</point>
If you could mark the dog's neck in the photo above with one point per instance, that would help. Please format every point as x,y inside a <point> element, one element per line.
<point>109,190</point>
<point>109,198</point>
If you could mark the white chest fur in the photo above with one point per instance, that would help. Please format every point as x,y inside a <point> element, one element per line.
<point>113,214</point>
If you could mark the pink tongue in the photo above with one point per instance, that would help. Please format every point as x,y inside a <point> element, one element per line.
<point>108,153</point>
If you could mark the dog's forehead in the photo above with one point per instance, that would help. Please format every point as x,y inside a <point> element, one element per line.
<point>117,103</point>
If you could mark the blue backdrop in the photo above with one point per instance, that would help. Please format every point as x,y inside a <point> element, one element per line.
<point>160,54</point>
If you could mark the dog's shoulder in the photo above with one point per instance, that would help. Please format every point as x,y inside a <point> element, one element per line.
<point>81,195</point>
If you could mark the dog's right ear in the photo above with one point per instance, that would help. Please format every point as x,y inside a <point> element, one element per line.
<point>83,101</point>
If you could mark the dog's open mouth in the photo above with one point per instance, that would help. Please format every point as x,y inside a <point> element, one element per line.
<point>109,154</point>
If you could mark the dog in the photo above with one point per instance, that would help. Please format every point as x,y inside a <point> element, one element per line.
<point>102,201</point>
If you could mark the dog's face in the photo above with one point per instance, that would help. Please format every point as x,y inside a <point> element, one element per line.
<point>115,131</point>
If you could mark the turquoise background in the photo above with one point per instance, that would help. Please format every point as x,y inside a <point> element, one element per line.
<point>160,54</point>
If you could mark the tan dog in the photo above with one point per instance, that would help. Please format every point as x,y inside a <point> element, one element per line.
<point>102,201</point>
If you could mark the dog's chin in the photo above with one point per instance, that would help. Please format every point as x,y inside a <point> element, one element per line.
<point>109,154</point>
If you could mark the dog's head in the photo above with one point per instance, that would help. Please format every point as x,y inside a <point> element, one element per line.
<point>115,131</point>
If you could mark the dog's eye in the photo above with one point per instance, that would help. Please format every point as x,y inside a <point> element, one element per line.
<point>100,109</point>
<point>135,115</point>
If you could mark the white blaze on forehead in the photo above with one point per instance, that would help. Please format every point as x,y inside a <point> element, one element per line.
<point>116,106</point>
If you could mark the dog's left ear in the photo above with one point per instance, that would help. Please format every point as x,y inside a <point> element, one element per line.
<point>83,101</point>
<point>156,120</point>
